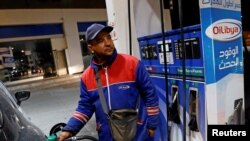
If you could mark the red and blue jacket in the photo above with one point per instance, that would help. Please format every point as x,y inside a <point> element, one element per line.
<point>123,78</point>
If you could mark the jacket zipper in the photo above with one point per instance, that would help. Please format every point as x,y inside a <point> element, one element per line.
<point>107,80</point>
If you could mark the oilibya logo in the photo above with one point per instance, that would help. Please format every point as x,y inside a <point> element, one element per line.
<point>224,30</point>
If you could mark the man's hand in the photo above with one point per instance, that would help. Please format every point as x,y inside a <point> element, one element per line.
<point>64,135</point>
<point>151,132</point>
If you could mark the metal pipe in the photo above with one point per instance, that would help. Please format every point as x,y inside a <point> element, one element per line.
<point>129,28</point>
<point>183,66</point>
<point>165,60</point>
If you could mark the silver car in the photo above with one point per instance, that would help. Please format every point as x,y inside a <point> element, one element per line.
<point>14,124</point>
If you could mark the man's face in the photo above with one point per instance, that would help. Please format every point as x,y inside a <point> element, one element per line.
<point>102,45</point>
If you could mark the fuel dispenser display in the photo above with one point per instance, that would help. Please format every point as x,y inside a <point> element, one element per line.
<point>169,52</point>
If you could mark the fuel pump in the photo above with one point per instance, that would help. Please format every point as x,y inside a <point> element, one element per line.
<point>193,110</point>
<point>174,109</point>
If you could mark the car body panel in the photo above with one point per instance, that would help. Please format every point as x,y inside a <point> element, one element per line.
<point>14,124</point>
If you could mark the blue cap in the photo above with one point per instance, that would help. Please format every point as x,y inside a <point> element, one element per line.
<point>94,29</point>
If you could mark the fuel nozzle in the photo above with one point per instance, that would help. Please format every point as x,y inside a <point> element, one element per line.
<point>52,137</point>
<point>173,110</point>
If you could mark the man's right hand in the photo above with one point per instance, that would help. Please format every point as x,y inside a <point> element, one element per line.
<point>64,135</point>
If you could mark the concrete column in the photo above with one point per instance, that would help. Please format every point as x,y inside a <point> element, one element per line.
<point>73,53</point>
<point>145,20</point>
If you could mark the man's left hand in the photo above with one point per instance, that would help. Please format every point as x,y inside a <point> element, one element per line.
<point>151,132</point>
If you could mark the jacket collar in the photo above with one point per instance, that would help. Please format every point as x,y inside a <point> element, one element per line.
<point>108,63</point>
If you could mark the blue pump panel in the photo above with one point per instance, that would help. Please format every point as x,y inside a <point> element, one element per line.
<point>152,55</point>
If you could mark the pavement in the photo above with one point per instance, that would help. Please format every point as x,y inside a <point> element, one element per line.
<point>52,101</point>
<point>39,83</point>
